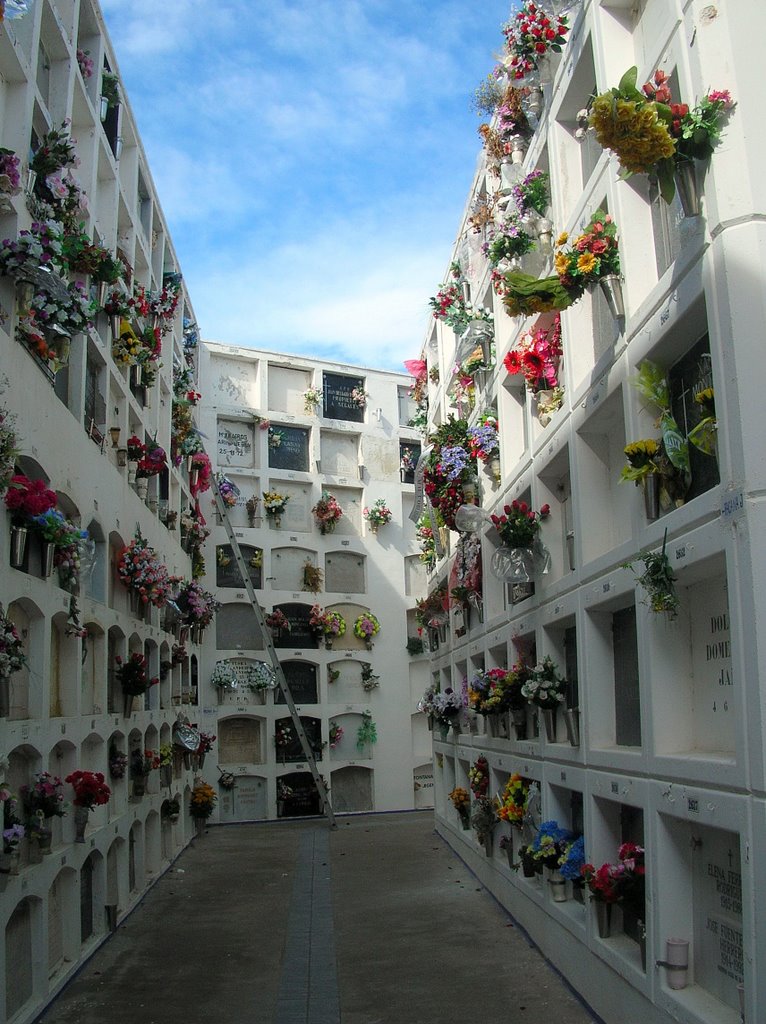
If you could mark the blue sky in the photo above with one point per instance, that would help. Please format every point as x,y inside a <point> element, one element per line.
<point>312,158</point>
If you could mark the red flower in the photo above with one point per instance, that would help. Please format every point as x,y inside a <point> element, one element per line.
<point>540,47</point>
<point>512,362</point>
<point>598,246</point>
<point>545,510</point>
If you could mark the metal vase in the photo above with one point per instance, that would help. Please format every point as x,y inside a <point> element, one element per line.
<point>520,723</point>
<point>572,723</point>
<point>47,552</point>
<point>115,324</point>
<point>611,286</point>
<point>127,705</point>
<point>549,718</point>
<point>5,695</point>
<point>686,185</point>
<point>80,823</point>
<point>603,918</point>
<point>558,886</point>
<point>651,485</point>
<point>18,545</point>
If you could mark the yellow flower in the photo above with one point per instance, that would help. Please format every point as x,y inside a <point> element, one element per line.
<point>561,263</point>
<point>587,263</point>
<point>562,239</point>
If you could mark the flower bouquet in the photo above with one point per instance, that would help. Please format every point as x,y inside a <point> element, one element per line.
<point>336,734</point>
<point>203,800</point>
<point>518,526</point>
<point>228,491</point>
<point>313,578</point>
<point>90,789</point>
<point>27,498</point>
<point>118,763</point>
<point>12,657</point>
<point>10,179</point>
<point>593,254</point>
<point>359,397</point>
<point>478,776</point>
<point>312,399</point>
<point>366,626</point>
<point>461,801</point>
<point>278,622</point>
<point>274,503</point>
<point>649,134</point>
<point>513,803</point>
<point>259,676</point>
<point>327,512</point>
<point>367,733</point>
<point>377,515</point>
<point>536,356</point>
<point>369,679</point>
<point>44,796</point>
<point>224,678</point>
<point>507,242</point>
<point>483,439</point>
<point>544,687</point>
<point>530,36</point>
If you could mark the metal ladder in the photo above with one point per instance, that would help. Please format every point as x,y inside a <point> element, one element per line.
<point>282,683</point>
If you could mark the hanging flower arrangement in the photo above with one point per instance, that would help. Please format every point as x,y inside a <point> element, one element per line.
<point>224,677</point>
<point>312,399</point>
<point>327,512</point>
<point>478,776</point>
<point>359,397</point>
<point>90,789</point>
<point>274,503</point>
<point>133,674</point>
<point>369,680</point>
<point>537,356</point>
<point>366,626</point>
<point>229,492</point>
<point>378,514</point>
<point>197,605</point>
<point>530,36</point>
<point>313,578</point>
<point>45,795</point>
<point>139,569</point>
<point>544,687</point>
<point>278,622</point>
<point>330,623</point>
<point>513,802</point>
<point>518,525</point>
<point>367,733</point>
<point>336,734</point>
<point>483,440</point>
<point>203,800</point>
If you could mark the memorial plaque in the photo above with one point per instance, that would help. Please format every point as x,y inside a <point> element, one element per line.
<point>409,453</point>
<point>344,573</point>
<point>246,801</point>
<point>235,443</point>
<point>301,677</point>
<point>236,628</point>
<point>229,575</point>
<point>717,884</point>
<point>338,403</point>
<point>340,455</point>
<point>293,751</point>
<point>301,634</point>
<point>293,449</point>
<point>352,789</point>
<point>714,692</point>
<point>239,741</point>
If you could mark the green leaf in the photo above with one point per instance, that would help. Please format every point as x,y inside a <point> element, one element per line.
<point>629,80</point>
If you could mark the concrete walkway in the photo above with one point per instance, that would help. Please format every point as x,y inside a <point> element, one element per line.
<point>289,923</point>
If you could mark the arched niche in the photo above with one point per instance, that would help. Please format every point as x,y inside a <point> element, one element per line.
<point>95,571</point>
<point>23,934</point>
<point>117,594</point>
<point>151,700</point>
<point>287,567</point>
<point>135,856</point>
<point>63,759</point>
<point>236,628</point>
<point>116,645</point>
<point>346,749</point>
<point>352,789</point>
<point>65,658</point>
<point>153,844</point>
<point>423,785</point>
<point>247,801</point>
<point>117,873</point>
<point>292,751</point>
<point>350,612</point>
<point>296,795</point>
<point>93,671</point>
<point>227,573</point>
<point>167,672</point>
<point>63,947</point>
<point>118,785</point>
<point>301,633</point>
<point>240,740</point>
<point>302,678</point>
<point>345,681</point>
<point>25,690</point>
<point>345,572</point>
<point>92,893</point>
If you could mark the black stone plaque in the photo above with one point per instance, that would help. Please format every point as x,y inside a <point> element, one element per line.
<point>301,634</point>
<point>408,475</point>
<point>338,403</point>
<point>304,799</point>
<point>292,451</point>
<point>229,575</point>
<point>687,377</point>
<point>293,751</point>
<point>301,677</point>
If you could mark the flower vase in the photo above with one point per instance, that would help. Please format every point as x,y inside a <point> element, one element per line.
<point>444,730</point>
<point>328,642</point>
<point>642,944</point>
<point>558,886</point>
<point>132,470</point>
<point>373,527</point>
<point>187,760</point>
<point>528,865</point>
<point>369,644</point>
<point>572,723</point>
<point>611,286</point>
<point>603,918</point>
<point>651,486</point>
<point>18,545</point>
<point>103,108</point>
<point>465,819</point>
<point>5,696</point>
<point>535,102</point>
<point>494,468</point>
<point>487,844</point>
<point>685,174</point>
<point>47,551</point>
<point>199,826</point>
<point>115,324</point>
<point>549,719</point>
<point>80,823</point>
<point>142,487</point>
<point>277,522</point>
<point>201,761</point>
<point>519,717</point>
<point>430,721</point>
<point>9,862</point>
<point>166,775</point>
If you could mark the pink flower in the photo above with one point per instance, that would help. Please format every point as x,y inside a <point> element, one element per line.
<point>722,96</point>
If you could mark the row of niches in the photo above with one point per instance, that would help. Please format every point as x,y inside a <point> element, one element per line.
<point>66,675</point>
<point>79,901</point>
<point>291,626</point>
<point>293,794</point>
<point>250,739</point>
<point>293,569</point>
<point>690,894</point>
<point>246,445</point>
<point>606,475</point>
<point>247,682</point>
<point>129,760</point>
<point>628,677</point>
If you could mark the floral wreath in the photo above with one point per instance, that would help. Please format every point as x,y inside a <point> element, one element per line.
<point>366,625</point>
